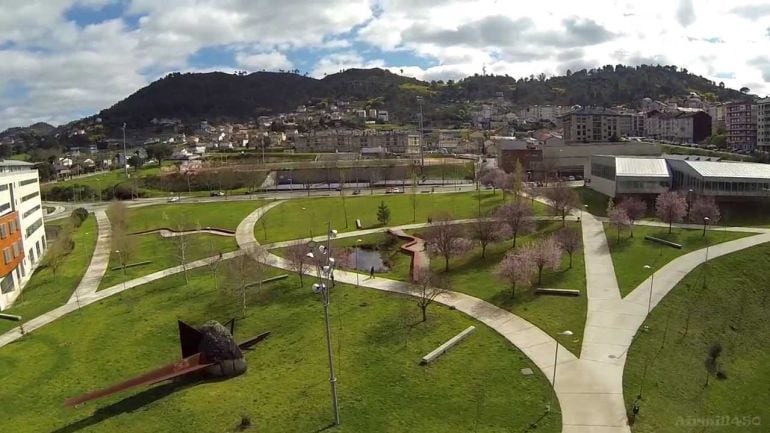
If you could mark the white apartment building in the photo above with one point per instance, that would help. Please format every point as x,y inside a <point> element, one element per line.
<point>22,234</point>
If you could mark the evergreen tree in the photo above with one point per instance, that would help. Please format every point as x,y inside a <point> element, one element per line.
<point>383,213</point>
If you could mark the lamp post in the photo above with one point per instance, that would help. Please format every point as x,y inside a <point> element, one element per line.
<point>358,242</point>
<point>324,271</point>
<point>422,156</point>
<point>706,221</point>
<point>649,299</point>
<point>585,206</point>
<point>125,153</point>
<point>689,201</point>
<point>555,362</point>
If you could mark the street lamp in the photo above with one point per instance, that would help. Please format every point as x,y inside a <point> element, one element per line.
<point>325,273</point>
<point>358,242</point>
<point>555,361</point>
<point>585,206</point>
<point>706,221</point>
<point>422,157</point>
<point>125,153</point>
<point>649,300</point>
<point>689,201</point>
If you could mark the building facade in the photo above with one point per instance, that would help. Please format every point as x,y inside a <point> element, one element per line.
<point>616,176</point>
<point>763,124</point>
<point>351,141</point>
<point>679,127</point>
<point>741,122</point>
<point>22,234</point>
<point>590,125</point>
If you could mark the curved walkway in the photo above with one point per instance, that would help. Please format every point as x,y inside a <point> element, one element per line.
<point>99,260</point>
<point>415,247</point>
<point>536,344</point>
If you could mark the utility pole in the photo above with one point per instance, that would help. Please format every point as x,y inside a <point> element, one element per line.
<point>422,156</point>
<point>125,154</point>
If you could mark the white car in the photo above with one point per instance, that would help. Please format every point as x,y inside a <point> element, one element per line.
<point>173,199</point>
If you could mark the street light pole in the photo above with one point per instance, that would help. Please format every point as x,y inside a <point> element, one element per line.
<point>422,156</point>
<point>555,362</point>
<point>125,152</point>
<point>325,279</point>
<point>649,299</point>
<point>358,242</point>
<point>705,261</point>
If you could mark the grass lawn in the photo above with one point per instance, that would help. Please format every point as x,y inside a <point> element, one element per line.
<point>298,218</point>
<point>104,179</point>
<point>449,172</point>
<point>43,292</point>
<point>730,310</point>
<point>224,215</point>
<point>163,253</point>
<point>553,314</point>
<point>474,387</point>
<point>629,255</point>
<point>596,201</point>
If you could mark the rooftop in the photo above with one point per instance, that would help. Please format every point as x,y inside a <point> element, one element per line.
<point>641,167</point>
<point>746,170</point>
<point>14,163</point>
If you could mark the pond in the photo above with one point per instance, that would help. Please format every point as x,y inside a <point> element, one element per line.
<point>366,259</point>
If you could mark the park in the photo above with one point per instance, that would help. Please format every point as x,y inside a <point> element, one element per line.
<point>635,316</point>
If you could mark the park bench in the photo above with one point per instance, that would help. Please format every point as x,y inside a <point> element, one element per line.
<point>427,359</point>
<point>557,292</point>
<point>130,265</point>
<point>664,242</point>
<point>267,280</point>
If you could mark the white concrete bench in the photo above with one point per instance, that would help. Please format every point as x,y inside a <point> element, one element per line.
<point>557,292</point>
<point>427,359</point>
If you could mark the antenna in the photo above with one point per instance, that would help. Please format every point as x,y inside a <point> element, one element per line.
<point>484,70</point>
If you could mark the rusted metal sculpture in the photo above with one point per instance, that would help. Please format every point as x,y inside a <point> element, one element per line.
<point>210,349</point>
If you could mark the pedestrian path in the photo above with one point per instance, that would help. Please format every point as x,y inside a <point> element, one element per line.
<point>415,247</point>
<point>99,260</point>
<point>536,344</point>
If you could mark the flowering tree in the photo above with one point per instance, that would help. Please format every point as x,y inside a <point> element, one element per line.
<point>484,231</point>
<point>670,207</point>
<point>619,218</point>
<point>563,199</point>
<point>517,216</point>
<point>702,208</point>
<point>445,239</point>
<point>570,241</point>
<point>492,177</point>
<point>516,268</point>
<point>546,254</point>
<point>635,209</point>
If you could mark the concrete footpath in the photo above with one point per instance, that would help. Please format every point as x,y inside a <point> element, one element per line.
<point>99,260</point>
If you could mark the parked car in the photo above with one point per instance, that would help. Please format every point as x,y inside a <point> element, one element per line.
<point>356,191</point>
<point>173,199</point>
<point>217,194</point>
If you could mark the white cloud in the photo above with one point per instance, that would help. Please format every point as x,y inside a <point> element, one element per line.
<point>269,61</point>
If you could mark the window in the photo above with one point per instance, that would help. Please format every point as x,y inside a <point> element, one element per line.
<point>3,231</point>
<point>30,196</point>
<point>6,286</point>
<point>37,248</point>
<point>15,249</point>
<point>4,187</point>
<point>7,255</point>
<point>27,182</point>
<point>31,211</point>
<point>31,256</point>
<point>4,207</point>
<point>33,228</point>
<point>12,226</point>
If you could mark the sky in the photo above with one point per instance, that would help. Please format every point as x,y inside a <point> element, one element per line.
<point>65,59</point>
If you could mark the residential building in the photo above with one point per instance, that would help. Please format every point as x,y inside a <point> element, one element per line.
<point>350,141</point>
<point>587,125</point>
<point>741,119</point>
<point>717,113</point>
<point>412,144</point>
<point>679,126</point>
<point>22,234</point>
<point>763,125</point>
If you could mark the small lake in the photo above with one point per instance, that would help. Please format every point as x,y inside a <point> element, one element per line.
<point>366,260</point>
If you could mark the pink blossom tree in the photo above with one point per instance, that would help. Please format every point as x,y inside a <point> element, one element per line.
<point>517,216</point>
<point>563,199</point>
<point>619,218</point>
<point>702,208</point>
<point>517,268</point>
<point>570,241</point>
<point>635,209</point>
<point>486,230</point>
<point>444,238</point>
<point>670,207</point>
<point>546,254</point>
<point>493,177</point>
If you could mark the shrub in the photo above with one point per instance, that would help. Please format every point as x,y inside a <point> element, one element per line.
<point>78,216</point>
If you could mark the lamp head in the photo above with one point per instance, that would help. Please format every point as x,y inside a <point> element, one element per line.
<point>317,288</point>
<point>310,255</point>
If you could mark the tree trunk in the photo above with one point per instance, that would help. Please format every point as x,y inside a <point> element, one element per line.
<point>483,250</point>
<point>563,217</point>
<point>513,289</point>
<point>618,233</point>
<point>424,310</point>
<point>570,259</point>
<point>514,239</point>
<point>446,263</point>
<point>632,230</point>
<point>539,275</point>
<point>669,227</point>
<point>300,277</point>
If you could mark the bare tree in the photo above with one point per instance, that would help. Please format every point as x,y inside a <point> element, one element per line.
<point>427,288</point>
<point>243,272</point>
<point>517,268</point>
<point>517,216</point>
<point>445,238</point>
<point>702,208</point>
<point>570,241</point>
<point>563,199</point>
<point>670,207</point>
<point>546,254</point>
<point>213,266</point>
<point>123,243</point>
<point>296,254</point>
<point>635,209</point>
<point>485,230</point>
<point>59,249</point>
